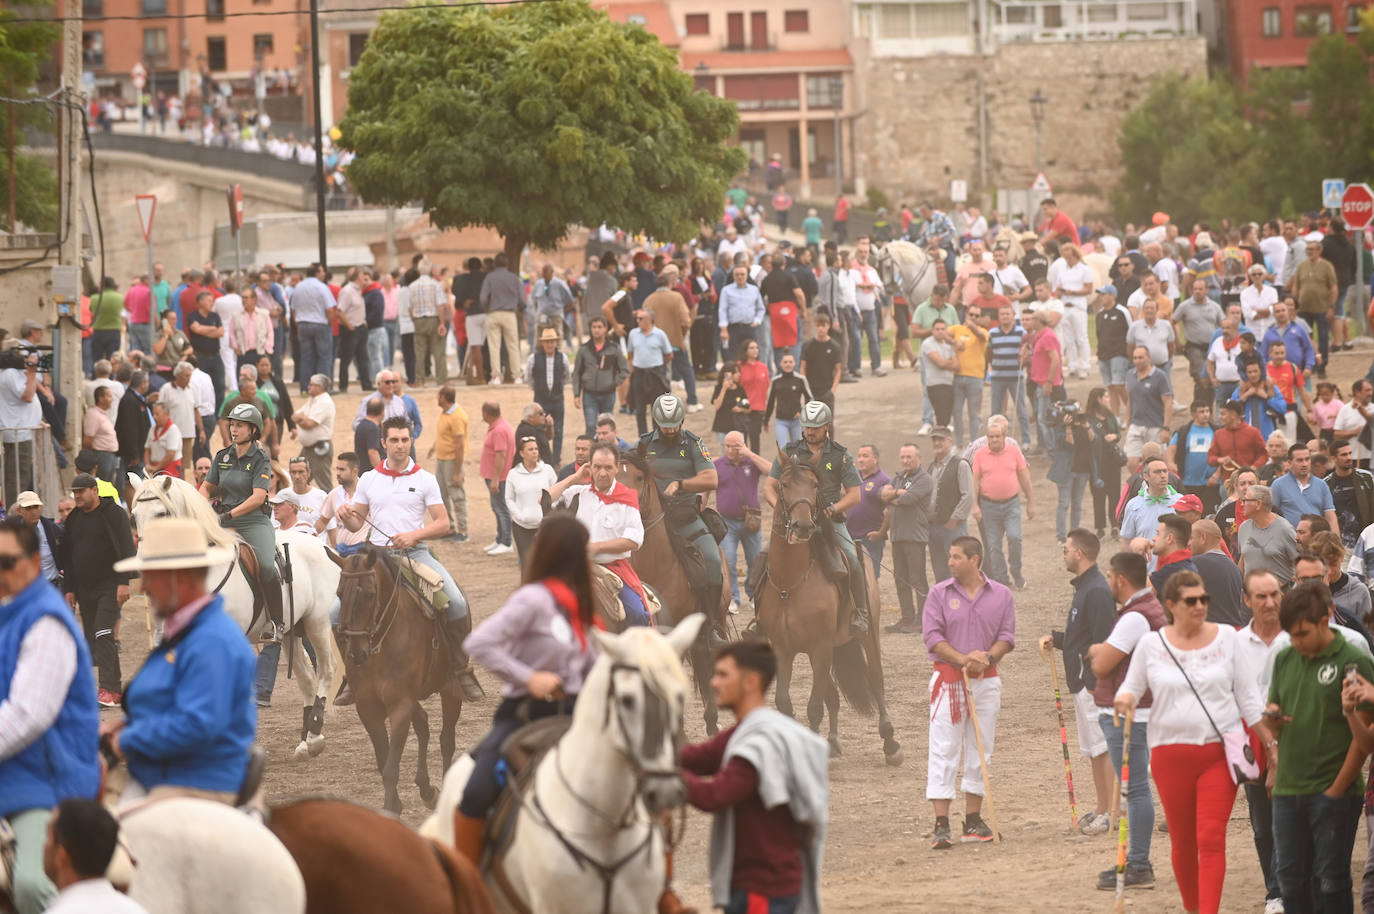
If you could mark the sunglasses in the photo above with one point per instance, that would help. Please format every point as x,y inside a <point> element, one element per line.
<point>1195,601</point>
<point>8,561</point>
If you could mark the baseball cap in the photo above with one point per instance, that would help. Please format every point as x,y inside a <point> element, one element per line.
<point>942,431</point>
<point>1188,503</point>
<point>86,461</point>
<point>286,497</point>
<point>83,481</point>
<point>1108,289</point>
<point>27,500</point>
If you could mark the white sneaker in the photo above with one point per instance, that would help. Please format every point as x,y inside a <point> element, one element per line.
<point>490,546</point>
<point>501,549</point>
<point>733,608</point>
<point>1273,906</point>
<point>1094,823</point>
<point>695,408</point>
<point>924,429</point>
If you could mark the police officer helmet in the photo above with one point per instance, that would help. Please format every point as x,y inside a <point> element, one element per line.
<point>248,415</point>
<point>816,414</point>
<point>669,412</point>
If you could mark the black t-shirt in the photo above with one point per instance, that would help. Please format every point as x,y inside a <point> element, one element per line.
<point>806,281</point>
<point>1035,266</point>
<point>1112,326</point>
<point>525,430</point>
<point>1347,508</point>
<point>726,419</point>
<point>467,292</point>
<point>820,358</point>
<point>203,344</point>
<point>368,435</point>
<point>779,285</point>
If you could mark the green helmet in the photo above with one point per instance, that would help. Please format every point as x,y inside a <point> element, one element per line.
<point>248,414</point>
<point>669,412</point>
<point>816,414</point>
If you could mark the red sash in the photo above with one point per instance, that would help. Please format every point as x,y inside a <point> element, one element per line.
<point>950,680</point>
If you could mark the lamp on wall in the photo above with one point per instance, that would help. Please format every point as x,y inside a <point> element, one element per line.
<point>837,101</point>
<point>1038,103</point>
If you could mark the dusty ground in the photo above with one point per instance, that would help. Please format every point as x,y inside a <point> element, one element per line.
<point>877,856</point>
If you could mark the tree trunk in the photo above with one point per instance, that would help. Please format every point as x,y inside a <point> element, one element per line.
<point>515,245</point>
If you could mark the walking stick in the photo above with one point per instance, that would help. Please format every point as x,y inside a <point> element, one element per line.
<point>1123,814</point>
<point>1063,737</point>
<point>982,760</point>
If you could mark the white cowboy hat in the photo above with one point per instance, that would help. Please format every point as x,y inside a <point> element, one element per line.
<point>171,543</point>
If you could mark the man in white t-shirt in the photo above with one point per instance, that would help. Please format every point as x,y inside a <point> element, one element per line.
<point>1044,301</point>
<point>1007,278</point>
<point>309,499</point>
<point>1222,370</point>
<point>1275,247</point>
<point>286,513</point>
<point>867,285</point>
<point>344,540</point>
<point>1257,302</point>
<point>401,506</point>
<point>1073,284</point>
<point>228,306</point>
<point>1352,422</point>
<point>1164,268</point>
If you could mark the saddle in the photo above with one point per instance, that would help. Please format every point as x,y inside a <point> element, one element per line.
<point>520,756</point>
<point>428,584</point>
<point>252,571</point>
<point>606,589</point>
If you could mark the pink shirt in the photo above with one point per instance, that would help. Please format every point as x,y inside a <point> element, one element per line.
<point>1046,343</point>
<point>178,620</point>
<point>392,297</point>
<point>1326,412</point>
<point>138,302</point>
<point>996,473</point>
<point>500,437</point>
<point>102,431</point>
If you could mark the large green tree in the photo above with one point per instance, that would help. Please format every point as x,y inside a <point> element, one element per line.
<point>529,118</point>
<point>23,48</point>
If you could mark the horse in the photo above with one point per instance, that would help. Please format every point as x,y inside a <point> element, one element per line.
<point>394,657</point>
<point>799,612</point>
<point>314,583</point>
<point>907,270</point>
<point>658,565</point>
<point>587,837</point>
<point>357,861</point>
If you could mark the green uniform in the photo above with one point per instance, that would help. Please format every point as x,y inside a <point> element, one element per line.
<point>236,478</point>
<point>1314,744</point>
<point>836,471</point>
<point>674,460</point>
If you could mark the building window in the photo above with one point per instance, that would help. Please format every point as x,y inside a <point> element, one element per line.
<point>214,9</point>
<point>941,20</point>
<point>894,21</point>
<point>92,7</point>
<point>262,45</point>
<point>734,31</point>
<point>1271,22</point>
<point>1101,12</point>
<point>154,7</point>
<point>216,59</point>
<point>698,23</point>
<point>1311,21</point>
<point>796,21</point>
<point>819,93</point>
<point>357,43</point>
<point>93,49</point>
<point>638,19</point>
<point>1353,13</point>
<point>1013,14</point>
<point>155,46</point>
<point>1147,12</point>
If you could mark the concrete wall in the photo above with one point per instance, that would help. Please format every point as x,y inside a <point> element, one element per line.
<point>921,126</point>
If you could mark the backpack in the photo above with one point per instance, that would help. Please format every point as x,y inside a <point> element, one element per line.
<point>1231,264</point>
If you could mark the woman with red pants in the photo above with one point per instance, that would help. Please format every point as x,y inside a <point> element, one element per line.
<point>1193,669</point>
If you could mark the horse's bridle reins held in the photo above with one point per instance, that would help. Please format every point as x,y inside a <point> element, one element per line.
<point>381,627</point>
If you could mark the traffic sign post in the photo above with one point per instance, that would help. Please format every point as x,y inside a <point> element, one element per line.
<point>1332,191</point>
<point>958,190</point>
<point>1357,209</point>
<point>146,204</point>
<point>140,79</point>
<point>235,196</point>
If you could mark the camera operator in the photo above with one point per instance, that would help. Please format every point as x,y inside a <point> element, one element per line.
<point>53,404</point>
<point>21,413</point>
<point>1071,464</point>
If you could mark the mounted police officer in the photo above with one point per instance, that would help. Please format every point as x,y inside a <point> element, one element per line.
<point>239,480</point>
<point>684,472</point>
<point>839,491</point>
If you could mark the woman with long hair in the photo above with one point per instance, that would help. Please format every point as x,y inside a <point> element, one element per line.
<point>754,378</point>
<point>1104,473</point>
<point>539,644</point>
<point>527,481</point>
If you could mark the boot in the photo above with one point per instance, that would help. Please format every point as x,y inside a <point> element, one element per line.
<point>469,838</point>
<point>272,597</point>
<point>858,621</point>
<point>345,695</point>
<point>459,666</point>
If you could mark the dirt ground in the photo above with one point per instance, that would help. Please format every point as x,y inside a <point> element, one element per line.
<point>877,855</point>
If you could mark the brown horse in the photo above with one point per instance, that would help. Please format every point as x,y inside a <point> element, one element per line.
<point>799,612</point>
<point>659,566</point>
<point>357,860</point>
<point>394,657</point>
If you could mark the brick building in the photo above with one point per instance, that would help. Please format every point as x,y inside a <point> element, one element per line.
<point>1265,34</point>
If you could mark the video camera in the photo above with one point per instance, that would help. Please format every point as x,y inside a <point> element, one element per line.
<point>1065,410</point>
<point>18,357</point>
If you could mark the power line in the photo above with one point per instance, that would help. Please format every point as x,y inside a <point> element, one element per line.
<point>173,17</point>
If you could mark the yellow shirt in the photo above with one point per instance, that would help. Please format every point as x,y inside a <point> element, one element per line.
<point>453,427</point>
<point>973,356</point>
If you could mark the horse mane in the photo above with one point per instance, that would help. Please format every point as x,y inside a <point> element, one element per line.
<point>794,465</point>
<point>635,457</point>
<point>185,500</point>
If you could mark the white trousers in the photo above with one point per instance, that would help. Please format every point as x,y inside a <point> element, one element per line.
<point>1073,334</point>
<point>949,740</point>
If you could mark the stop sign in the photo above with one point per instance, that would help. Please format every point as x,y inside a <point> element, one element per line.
<point>1357,206</point>
<point>139,75</point>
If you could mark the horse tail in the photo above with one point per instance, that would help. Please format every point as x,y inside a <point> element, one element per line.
<point>851,673</point>
<point>470,894</point>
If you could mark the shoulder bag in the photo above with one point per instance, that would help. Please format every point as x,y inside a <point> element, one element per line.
<point>753,517</point>
<point>1241,761</point>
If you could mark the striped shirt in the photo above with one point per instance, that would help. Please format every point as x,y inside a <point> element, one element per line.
<point>426,297</point>
<point>42,676</point>
<point>1004,352</point>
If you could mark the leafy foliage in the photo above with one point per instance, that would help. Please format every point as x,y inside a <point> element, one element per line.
<point>23,47</point>
<point>1201,150</point>
<point>530,118</point>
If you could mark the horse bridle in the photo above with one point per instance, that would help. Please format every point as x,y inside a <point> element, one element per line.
<point>381,627</point>
<point>788,523</point>
<point>899,276</point>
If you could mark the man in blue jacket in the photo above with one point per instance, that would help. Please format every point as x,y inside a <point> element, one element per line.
<point>191,712</point>
<point>48,715</point>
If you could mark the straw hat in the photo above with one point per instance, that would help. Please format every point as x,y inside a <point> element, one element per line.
<point>548,334</point>
<point>171,543</point>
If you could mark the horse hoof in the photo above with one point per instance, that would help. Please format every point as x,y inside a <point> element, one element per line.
<point>835,751</point>
<point>429,795</point>
<point>893,758</point>
<point>315,744</point>
<point>302,752</point>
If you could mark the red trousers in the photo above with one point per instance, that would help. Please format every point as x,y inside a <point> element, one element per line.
<point>1196,791</point>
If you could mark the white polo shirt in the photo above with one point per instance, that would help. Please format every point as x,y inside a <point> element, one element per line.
<point>396,502</point>
<point>605,521</point>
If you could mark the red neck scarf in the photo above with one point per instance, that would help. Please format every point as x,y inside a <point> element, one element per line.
<point>620,494</point>
<point>388,471</point>
<point>567,602</point>
<point>162,429</point>
<point>1174,557</point>
<point>1230,344</point>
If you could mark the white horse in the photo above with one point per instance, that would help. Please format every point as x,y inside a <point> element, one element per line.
<point>314,584</point>
<point>588,839</point>
<point>905,268</point>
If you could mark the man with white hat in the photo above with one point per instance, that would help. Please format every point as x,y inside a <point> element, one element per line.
<point>30,507</point>
<point>286,507</point>
<point>190,712</point>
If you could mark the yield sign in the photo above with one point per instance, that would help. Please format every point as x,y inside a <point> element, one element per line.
<point>146,204</point>
<point>1041,183</point>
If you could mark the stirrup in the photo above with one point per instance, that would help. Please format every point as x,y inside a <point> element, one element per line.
<point>274,633</point>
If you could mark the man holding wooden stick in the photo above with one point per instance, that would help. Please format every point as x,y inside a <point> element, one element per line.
<point>969,625</point>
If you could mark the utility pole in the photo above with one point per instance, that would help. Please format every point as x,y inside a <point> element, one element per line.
<point>67,334</point>
<point>319,135</point>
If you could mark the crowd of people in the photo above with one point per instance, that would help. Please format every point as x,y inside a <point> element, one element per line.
<point>1236,525</point>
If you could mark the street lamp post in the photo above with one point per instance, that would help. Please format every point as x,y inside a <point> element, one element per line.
<point>837,101</point>
<point>1038,103</point>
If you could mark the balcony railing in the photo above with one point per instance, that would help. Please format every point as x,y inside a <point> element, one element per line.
<point>1042,20</point>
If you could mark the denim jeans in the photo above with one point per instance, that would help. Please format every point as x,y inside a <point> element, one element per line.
<point>764,335</point>
<point>1045,431</point>
<point>1070,509</point>
<point>875,341</point>
<point>378,352</point>
<point>927,408</point>
<point>875,549</point>
<point>270,657</point>
<point>1314,836</point>
<point>1002,519</point>
<point>457,603</point>
<point>498,507</point>
<point>1262,827</point>
<point>555,409</point>
<point>1140,806</point>
<point>735,536</point>
<point>744,902</point>
<point>941,537</point>
<point>104,343</point>
<point>393,340</point>
<point>1224,389</point>
<point>1015,390</point>
<point>594,405</point>
<point>968,397</point>
<point>849,317</point>
<point>316,351</point>
<point>682,371</point>
<point>786,431</point>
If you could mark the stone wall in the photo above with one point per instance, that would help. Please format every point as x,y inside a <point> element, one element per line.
<point>920,128</point>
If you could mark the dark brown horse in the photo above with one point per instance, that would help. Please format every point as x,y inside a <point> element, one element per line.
<point>658,565</point>
<point>394,657</point>
<point>799,611</point>
<point>356,861</point>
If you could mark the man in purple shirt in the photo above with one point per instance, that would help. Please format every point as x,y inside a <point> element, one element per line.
<point>969,625</point>
<point>867,521</point>
<point>737,499</point>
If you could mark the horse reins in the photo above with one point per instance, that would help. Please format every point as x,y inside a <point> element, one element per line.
<point>375,636</point>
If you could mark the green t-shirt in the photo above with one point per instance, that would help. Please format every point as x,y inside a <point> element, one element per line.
<point>107,310</point>
<point>263,402</point>
<point>738,196</point>
<point>1313,746</point>
<point>162,294</point>
<point>813,226</point>
<point>926,314</point>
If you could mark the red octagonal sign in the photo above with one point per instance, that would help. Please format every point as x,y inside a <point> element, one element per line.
<point>1357,206</point>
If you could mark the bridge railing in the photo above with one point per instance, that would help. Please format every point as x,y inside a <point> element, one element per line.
<point>228,159</point>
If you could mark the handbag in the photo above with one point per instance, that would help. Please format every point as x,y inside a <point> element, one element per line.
<point>1240,755</point>
<point>753,517</point>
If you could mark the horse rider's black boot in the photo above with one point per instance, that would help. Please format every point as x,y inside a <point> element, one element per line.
<point>858,588</point>
<point>455,630</point>
<point>273,598</point>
